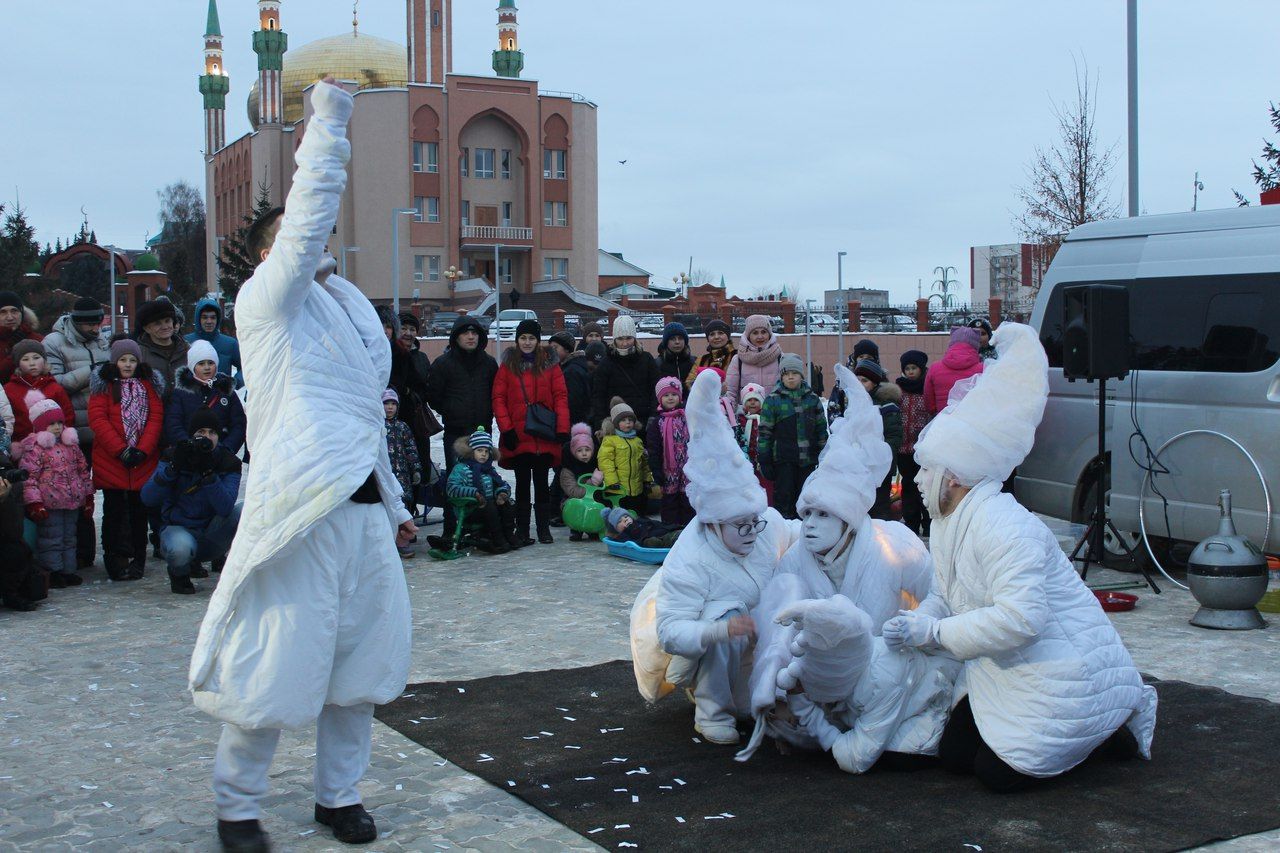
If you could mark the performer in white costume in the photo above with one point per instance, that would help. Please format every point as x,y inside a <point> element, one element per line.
<point>823,678</point>
<point>310,621</point>
<point>690,626</point>
<point>1046,677</point>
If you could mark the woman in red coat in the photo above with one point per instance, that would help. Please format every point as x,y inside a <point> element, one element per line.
<point>528,376</point>
<point>127,418</point>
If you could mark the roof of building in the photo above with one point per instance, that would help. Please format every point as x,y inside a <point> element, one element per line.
<point>612,263</point>
<point>212,27</point>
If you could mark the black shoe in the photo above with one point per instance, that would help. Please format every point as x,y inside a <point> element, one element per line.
<point>440,543</point>
<point>84,562</point>
<point>56,580</point>
<point>525,541</point>
<point>351,824</point>
<point>70,579</point>
<point>198,571</point>
<point>181,585</point>
<point>117,567</point>
<point>137,569</point>
<point>243,836</point>
<point>575,536</point>
<point>17,602</point>
<point>546,538</point>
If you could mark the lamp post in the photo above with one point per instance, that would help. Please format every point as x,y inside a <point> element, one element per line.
<point>452,274</point>
<point>395,253</point>
<point>497,296</point>
<point>343,252</point>
<point>840,303</point>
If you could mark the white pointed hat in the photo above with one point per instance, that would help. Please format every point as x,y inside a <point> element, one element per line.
<point>987,432</point>
<point>854,461</point>
<point>722,485</point>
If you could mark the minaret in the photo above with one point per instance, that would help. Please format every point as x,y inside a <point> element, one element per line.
<point>430,24</point>
<point>214,85</point>
<point>270,43</point>
<point>508,60</point>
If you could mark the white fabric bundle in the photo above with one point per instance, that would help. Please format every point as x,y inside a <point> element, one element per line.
<point>722,486</point>
<point>830,651</point>
<point>987,432</point>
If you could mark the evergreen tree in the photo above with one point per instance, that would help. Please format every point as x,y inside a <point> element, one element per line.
<point>235,262</point>
<point>18,249</point>
<point>1267,176</point>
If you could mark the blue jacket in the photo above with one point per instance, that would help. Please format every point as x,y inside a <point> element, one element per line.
<point>189,395</point>
<point>193,500</point>
<point>227,347</point>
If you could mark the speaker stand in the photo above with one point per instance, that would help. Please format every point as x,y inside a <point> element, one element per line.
<point>1092,543</point>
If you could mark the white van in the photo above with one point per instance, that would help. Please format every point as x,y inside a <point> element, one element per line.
<point>1204,318</point>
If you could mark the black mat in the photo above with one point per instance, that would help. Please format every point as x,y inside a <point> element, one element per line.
<point>581,746</point>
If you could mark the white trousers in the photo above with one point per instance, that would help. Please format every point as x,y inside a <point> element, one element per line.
<point>720,686</point>
<point>343,743</point>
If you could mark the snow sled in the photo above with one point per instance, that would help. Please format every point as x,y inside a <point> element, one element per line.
<point>583,514</point>
<point>636,552</point>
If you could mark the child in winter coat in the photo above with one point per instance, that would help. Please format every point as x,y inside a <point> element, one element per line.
<point>127,418</point>
<point>30,384</point>
<point>201,386</point>
<point>622,458</point>
<point>403,451</point>
<point>748,430</point>
<point>793,431</point>
<point>960,362</point>
<point>758,360</point>
<point>720,350</point>
<point>580,462</point>
<point>886,396</point>
<point>646,533</point>
<point>473,476</point>
<point>57,489</point>
<point>667,439</point>
<point>915,367</point>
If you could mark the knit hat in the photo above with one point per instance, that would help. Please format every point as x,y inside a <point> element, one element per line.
<point>722,484</point>
<point>564,339</point>
<point>866,347</point>
<point>624,327</point>
<point>986,433</point>
<point>43,413</point>
<point>667,385</point>
<point>390,395</point>
<point>916,357</point>
<point>716,326</point>
<point>201,350</point>
<point>580,436</point>
<point>596,352</point>
<point>25,346</point>
<point>155,310</point>
<point>791,362</point>
<point>10,299</point>
<point>125,346</point>
<point>618,409</point>
<point>672,330</point>
<point>871,370</point>
<point>756,321</point>
<point>203,418</point>
<point>408,319</point>
<point>752,391</point>
<point>529,327</point>
<point>592,328</point>
<point>613,517</point>
<point>967,336</point>
<point>480,438</point>
<point>86,310</point>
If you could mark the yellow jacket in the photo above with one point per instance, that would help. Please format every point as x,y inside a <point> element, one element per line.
<point>623,461</point>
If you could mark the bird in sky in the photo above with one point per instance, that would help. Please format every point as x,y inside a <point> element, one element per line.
<point>623,162</point>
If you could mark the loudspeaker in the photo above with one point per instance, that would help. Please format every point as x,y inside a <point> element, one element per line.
<point>1095,331</point>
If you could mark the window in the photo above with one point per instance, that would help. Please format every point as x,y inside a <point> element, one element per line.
<point>1205,324</point>
<point>553,163</point>
<point>506,214</point>
<point>466,212</point>
<point>433,267</point>
<point>427,208</point>
<point>555,214</point>
<point>505,268</point>
<point>464,160</point>
<point>555,267</point>
<point>419,264</point>
<point>426,157</point>
<point>484,163</point>
<point>506,165</point>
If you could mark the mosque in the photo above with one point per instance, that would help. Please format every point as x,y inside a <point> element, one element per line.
<point>465,180</point>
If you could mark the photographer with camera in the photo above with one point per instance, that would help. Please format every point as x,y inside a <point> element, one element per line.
<point>195,489</point>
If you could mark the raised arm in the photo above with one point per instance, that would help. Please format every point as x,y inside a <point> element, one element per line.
<point>280,283</point>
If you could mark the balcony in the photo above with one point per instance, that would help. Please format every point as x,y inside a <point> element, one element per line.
<point>483,236</point>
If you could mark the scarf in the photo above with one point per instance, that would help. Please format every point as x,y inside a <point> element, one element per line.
<point>912,386</point>
<point>758,356</point>
<point>625,433</point>
<point>796,398</point>
<point>133,409</point>
<point>480,473</point>
<point>675,448</point>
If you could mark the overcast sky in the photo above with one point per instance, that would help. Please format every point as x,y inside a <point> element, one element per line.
<point>760,137</point>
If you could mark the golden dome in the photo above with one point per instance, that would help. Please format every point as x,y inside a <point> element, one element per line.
<point>374,63</point>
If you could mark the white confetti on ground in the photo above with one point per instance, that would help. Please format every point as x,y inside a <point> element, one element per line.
<point>679,819</point>
<point>584,778</point>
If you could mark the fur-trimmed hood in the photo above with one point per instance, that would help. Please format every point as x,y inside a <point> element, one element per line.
<point>887,392</point>
<point>185,380</point>
<point>462,448</point>
<point>102,378</point>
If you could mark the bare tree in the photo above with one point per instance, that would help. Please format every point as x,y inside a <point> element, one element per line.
<point>703,275</point>
<point>1068,183</point>
<point>182,250</point>
<point>1268,177</point>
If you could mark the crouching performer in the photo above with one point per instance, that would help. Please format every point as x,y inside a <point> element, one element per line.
<point>1046,677</point>
<point>310,620</point>
<point>823,678</point>
<point>691,625</point>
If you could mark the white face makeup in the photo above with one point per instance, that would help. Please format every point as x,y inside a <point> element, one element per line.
<point>924,481</point>
<point>822,530</point>
<point>734,539</point>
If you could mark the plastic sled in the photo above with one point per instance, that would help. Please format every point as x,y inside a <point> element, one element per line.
<point>463,534</point>
<point>636,552</point>
<point>583,514</point>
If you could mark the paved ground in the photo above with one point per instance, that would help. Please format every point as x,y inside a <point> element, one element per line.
<point>103,750</point>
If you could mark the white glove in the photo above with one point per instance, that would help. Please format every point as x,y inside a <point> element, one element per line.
<point>911,629</point>
<point>332,102</point>
<point>814,721</point>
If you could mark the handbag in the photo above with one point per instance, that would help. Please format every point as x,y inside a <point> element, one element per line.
<point>539,421</point>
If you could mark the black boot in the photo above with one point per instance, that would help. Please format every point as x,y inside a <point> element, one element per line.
<point>351,824</point>
<point>522,525</point>
<point>181,584</point>
<point>117,567</point>
<point>137,569</point>
<point>56,581</point>
<point>199,571</point>
<point>243,836</point>
<point>543,513</point>
<point>575,536</point>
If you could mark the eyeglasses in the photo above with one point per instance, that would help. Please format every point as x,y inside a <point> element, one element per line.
<point>746,528</point>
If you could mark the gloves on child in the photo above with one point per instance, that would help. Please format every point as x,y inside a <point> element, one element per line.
<point>36,512</point>
<point>597,478</point>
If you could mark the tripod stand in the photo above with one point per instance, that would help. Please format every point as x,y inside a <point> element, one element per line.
<point>1095,534</point>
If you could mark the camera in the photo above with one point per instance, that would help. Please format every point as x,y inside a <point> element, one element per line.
<point>14,475</point>
<point>194,455</point>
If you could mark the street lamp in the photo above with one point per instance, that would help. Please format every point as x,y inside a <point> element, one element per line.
<point>497,296</point>
<point>840,303</point>
<point>452,274</point>
<point>395,253</point>
<point>681,281</point>
<point>343,252</point>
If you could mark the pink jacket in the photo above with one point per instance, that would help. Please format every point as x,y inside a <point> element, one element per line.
<point>58,475</point>
<point>761,365</point>
<point>960,362</point>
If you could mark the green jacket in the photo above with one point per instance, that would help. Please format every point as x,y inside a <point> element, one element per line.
<point>793,427</point>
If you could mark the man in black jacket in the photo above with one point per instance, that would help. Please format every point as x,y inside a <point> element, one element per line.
<point>460,389</point>
<point>577,376</point>
<point>627,371</point>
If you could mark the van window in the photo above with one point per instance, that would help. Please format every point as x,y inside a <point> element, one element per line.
<point>1204,324</point>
